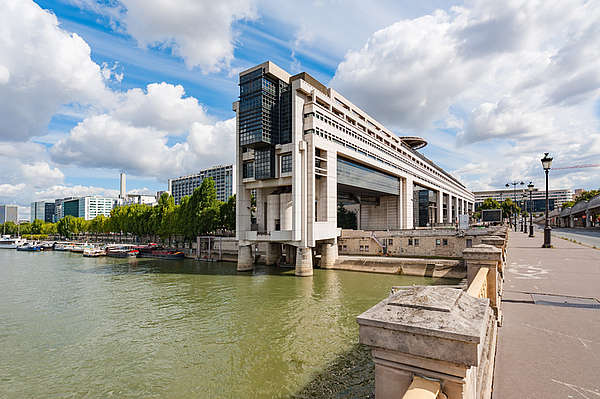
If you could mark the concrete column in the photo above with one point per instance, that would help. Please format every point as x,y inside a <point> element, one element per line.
<point>273,253</point>
<point>245,259</point>
<point>329,255</point>
<point>272,211</point>
<point>304,263</point>
<point>588,220</point>
<point>408,203</point>
<point>489,256</point>
<point>285,211</point>
<point>438,333</point>
<point>440,204</point>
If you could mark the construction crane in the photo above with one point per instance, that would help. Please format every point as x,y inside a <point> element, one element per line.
<point>578,166</point>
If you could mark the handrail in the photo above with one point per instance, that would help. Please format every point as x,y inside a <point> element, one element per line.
<point>478,287</point>
<point>424,388</point>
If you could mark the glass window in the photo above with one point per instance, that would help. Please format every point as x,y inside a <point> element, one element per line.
<point>445,241</point>
<point>410,241</point>
<point>438,242</point>
<point>248,170</point>
<point>416,242</point>
<point>286,163</point>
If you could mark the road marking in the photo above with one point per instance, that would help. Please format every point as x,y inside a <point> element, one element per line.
<point>580,390</point>
<point>581,340</point>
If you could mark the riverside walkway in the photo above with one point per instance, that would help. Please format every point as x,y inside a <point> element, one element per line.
<point>549,344</point>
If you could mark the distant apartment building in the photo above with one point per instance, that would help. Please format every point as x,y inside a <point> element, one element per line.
<point>555,197</point>
<point>147,199</point>
<point>87,207</point>
<point>9,213</point>
<point>223,175</point>
<point>43,210</point>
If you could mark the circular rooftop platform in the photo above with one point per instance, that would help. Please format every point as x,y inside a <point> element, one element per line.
<point>414,142</point>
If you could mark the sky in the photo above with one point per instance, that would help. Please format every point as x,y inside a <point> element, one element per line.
<point>92,87</point>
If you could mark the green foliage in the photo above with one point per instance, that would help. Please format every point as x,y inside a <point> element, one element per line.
<point>587,195</point>
<point>228,214</point>
<point>36,226</point>
<point>35,237</point>
<point>509,208</point>
<point>9,228</point>
<point>70,226</point>
<point>490,203</point>
<point>346,219</point>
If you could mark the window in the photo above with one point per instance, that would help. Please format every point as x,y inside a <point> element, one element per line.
<point>248,170</point>
<point>445,241</point>
<point>416,242</point>
<point>286,163</point>
<point>469,242</point>
<point>361,248</point>
<point>410,241</point>
<point>390,241</point>
<point>366,247</point>
<point>438,242</point>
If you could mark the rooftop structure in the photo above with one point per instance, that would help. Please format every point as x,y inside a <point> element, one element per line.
<point>223,175</point>
<point>303,148</point>
<point>87,207</point>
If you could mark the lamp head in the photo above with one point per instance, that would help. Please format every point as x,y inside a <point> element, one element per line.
<point>507,185</point>
<point>530,186</point>
<point>546,161</point>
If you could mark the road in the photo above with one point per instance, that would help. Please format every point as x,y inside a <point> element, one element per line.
<point>587,237</point>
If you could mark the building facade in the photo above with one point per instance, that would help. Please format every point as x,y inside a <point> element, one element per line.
<point>9,213</point>
<point>87,207</point>
<point>43,210</point>
<point>223,176</point>
<point>146,199</point>
<point>302,149</point>
<point>555,197</point>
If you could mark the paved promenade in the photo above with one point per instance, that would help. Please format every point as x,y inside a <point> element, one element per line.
<point>549,344</point>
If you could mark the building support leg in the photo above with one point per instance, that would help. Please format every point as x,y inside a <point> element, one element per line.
<point>304,264</point>
<point>273,253</point>
<point>329,255</point>
<point>245,259</point>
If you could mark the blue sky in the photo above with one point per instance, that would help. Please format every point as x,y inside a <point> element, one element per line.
<point>147,86</point>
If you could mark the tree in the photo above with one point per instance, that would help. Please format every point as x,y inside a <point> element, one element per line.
<point>228,214</point>
<point>346,219</point>
<point>490,203</point>
<point>49,229</point>
<point>36,226</point>
<point>509,208</point>
<point>67,226</point>
<point>208,193</point>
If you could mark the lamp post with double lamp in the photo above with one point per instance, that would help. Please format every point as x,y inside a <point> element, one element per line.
<point>547,164</point>
<point>514,184</point>
<point>530,188</point>
<point>524,214</point>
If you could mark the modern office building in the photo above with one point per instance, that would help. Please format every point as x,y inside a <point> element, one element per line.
<point>43,210</point>
<point>303,148</point>
<point>223,175</point>
<point>9,213</point>
<point>147,199</point>
<point>87,207</point>
<point>555,197</point>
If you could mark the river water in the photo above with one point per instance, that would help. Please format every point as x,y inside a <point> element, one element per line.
<point>74,327</point>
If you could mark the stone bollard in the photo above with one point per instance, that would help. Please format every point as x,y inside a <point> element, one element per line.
<point>329,255</point>
<point>273,254</point>
<point>245,259</point>
<point>497,242</point>
<point>304,262</point>
<point>438,333</point>
<point>484,255</point>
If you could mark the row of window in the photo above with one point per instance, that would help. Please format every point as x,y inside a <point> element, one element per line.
<point>369,141</point>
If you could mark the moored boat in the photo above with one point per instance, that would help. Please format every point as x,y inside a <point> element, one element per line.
<point>11,243</point>
<point>30,247</point>
<point>93,252</point>
<point>163,254</point>
<point>122,252</point>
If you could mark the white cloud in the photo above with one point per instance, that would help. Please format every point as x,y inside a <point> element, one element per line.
<point>63,191</point>
<point>41,67</point>
<point>10,190</point>
<point>513,79</point>
<point>199,31</point>
<point>106,142</point>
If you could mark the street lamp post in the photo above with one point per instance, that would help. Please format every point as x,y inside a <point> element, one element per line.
<point>514,184</point>
<point>530,188</point>
<point>547,164</point>
<point>523,214</point>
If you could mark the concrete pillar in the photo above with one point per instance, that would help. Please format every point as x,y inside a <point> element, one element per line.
<point>245,258</point>
<point>407,194</point>
<point>329,255</point>
<point>272,211</point>
<point>588,219</point>
<point>489,256</point>
<point>285,211</point>
<point>304,263</point>
<point>413,334</point>
<point>273,253</point>
<point>440,205</point>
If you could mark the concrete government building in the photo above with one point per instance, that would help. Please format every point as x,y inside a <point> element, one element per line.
<point>223,176</point>
<point>303,148</point>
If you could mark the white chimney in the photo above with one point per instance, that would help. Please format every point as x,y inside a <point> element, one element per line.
<point>123,190</point>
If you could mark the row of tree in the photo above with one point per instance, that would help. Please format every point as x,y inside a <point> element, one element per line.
<point>198,214</point>
<point>509,208</point>
<point>584,196</point>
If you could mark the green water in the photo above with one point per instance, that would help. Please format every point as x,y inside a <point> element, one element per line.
<point>74,327</point>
